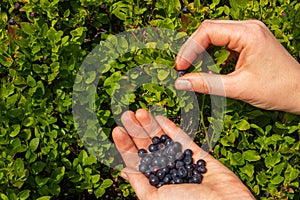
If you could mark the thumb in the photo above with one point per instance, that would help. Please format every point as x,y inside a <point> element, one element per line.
<point>207,83</point>
<point>139,183</point>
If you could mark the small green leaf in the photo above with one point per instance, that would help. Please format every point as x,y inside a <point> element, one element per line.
<point>277,180</point>
<point>243,125</point>
<point>40,181</point>
<point>251,155</point>
<point>27,28</point>
<point>248,169</point>
<point>3,196</point>
<point>291,173</point>
<point>28,121</point>
<point>34,143</point>
<point>99,192</point>
<point>106,183</point>
<point>16,130</point>
<point>24,194</point>
<point>38,167</point>
<point>163,74</point>
<point>95,178</point>
<point>44,198</point>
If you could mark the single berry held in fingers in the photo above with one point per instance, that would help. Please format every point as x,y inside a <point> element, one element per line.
<point>180,73</point>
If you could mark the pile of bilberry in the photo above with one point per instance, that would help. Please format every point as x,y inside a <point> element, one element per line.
<point>166,163</point>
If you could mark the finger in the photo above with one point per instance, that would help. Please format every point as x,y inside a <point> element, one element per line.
<point>217,32</point>
<point>149,123</point>
<point>206,83</point>
<point>179,135</point>
<point>140,184</point>
<point>135,130</point>
<point>126,147</point>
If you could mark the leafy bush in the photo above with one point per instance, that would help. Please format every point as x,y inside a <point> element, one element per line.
<point>43,44</point>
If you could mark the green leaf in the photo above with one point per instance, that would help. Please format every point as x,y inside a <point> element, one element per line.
<point>16,130</point>
<point>291,173</point>
<point>58,174</point>
<point>277,180</point>
<point>40,181</point>
<point>251,155</point>
<point>248,169</point>
<point>34,143</point>
<point>99,192</point>
<point>243,125</point>
<point>3,196</point>
<point>163,74</point>
<point>31,81</point>
<point>106,183</point>
<point>95,178</point>
<point>272,160</point>
<point>38,167</point>
<point>44,198</point>
<point>27,28</point>
<point>28,121</point>
<point>24,194</point>
<point>221,56</point>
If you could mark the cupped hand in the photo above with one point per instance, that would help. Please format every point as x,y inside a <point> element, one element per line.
<point>218,182</point>
<point>266,75</point>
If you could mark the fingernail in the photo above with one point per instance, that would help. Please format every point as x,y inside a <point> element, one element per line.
<point>183,84</point>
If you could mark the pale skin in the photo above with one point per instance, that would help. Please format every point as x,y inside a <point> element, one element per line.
<point>266,76</point>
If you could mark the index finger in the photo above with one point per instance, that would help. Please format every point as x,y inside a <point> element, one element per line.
<point>232,34</point>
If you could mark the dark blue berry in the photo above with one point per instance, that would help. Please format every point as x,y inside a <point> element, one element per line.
<point>152,147</point>
<point>153,180</point>
<point>178,180</point>
<point>32,14</point>
<point>197,178</point>
<point>171,165</point>
<point>142,153</point>
<point>16,6</point>
<point>180,73</point>
<point>182,172</point>
<point>190,168</point>
<point>163,161</point>
<point>143,168</point>
<point>188,152</point>
<point>165,169</point>
<point>11,21</point>
<point>171,150</point>
<point>202,169</point>
<point>155,161</point>
<point>164,137</point>
<point>147,173</point>
<point>179,156</point>
<point>167,178</point>
<point>177,146</point>
<point>188,160</point>
<point>161,146</point>
<point>160,174</point>
<point>160,184</point>
<point>201,162</point>
<point>185,10</point>
<point>168,142</point>
<point>147,160</point>
<point>179,164</point>
<point>155,140</point>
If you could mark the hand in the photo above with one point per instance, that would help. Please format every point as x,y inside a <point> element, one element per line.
<point>266,75</point>
<point>218,182</point>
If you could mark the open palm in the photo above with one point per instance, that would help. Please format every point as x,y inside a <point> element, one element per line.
<point>218,182</point>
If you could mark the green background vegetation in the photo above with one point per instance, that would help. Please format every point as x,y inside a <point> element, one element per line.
<point>41,155</point>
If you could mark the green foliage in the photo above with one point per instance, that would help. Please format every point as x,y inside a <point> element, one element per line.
<point>41,154</point>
